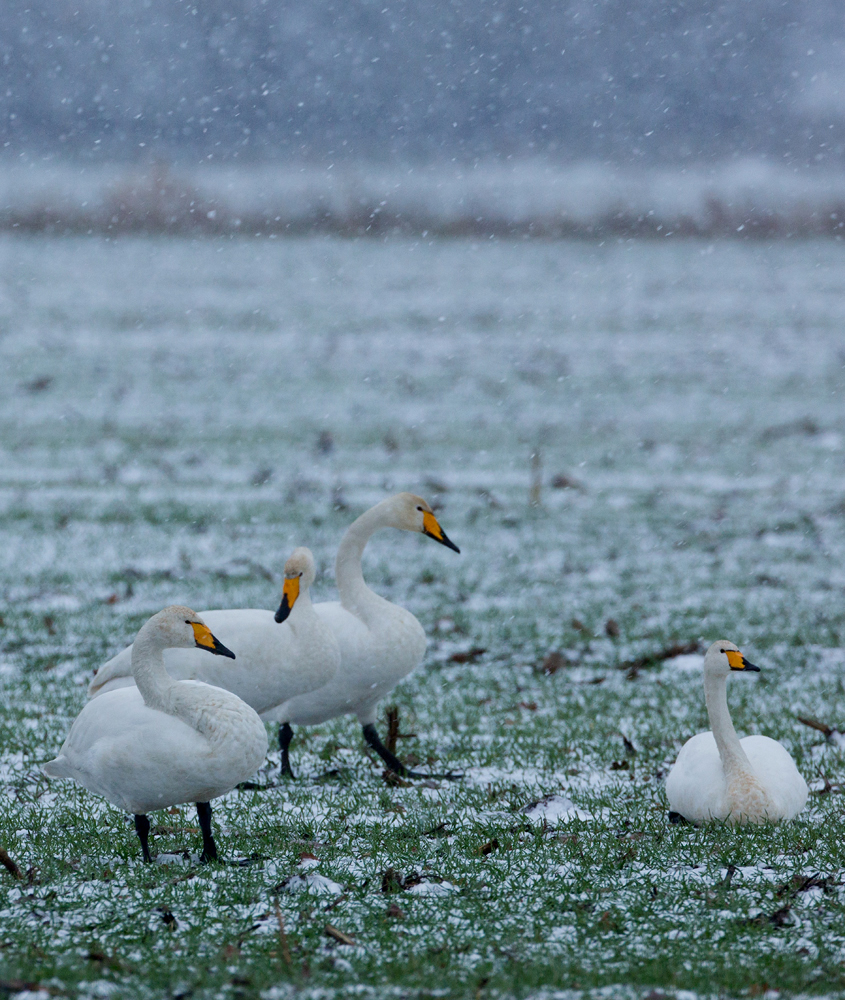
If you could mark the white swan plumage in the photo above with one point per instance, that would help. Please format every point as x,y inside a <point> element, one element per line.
<point>380,642</point>
<point>718,776</point>
<point>275,662</point>
<point>164,742</point>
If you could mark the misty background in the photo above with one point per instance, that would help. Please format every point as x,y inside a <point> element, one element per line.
<point>444,115</point>
<point>419,80</point>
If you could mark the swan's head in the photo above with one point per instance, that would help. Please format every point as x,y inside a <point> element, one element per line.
<point>411,513</point>
<point>300,573</point>
<point>723,657</point>
<point>178,627</point>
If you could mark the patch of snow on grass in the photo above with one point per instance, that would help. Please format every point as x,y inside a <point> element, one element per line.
<point>554,809</point>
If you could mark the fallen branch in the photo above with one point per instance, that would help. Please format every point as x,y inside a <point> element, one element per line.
<point>815,724</point>
<point>633,667</point>
<point>332,932</point>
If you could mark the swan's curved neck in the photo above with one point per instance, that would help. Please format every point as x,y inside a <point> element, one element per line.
<point>733,756</point>
<point>303,610</point>
<point>354,593</point>
<point>151,676</point>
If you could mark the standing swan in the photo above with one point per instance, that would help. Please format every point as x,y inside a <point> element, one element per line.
<point>719,776</point>
<point>274,663</point>
<point>380,643</point>
<point>164,742</point>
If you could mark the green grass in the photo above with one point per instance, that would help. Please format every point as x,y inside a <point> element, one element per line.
<point>708,511</point>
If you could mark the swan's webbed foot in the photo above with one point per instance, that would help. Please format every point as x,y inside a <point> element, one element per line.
<point>677,819</point>
<point>209,848</point>
<point>142,828</point>
<point>393,762</point>
<point>285,736</point>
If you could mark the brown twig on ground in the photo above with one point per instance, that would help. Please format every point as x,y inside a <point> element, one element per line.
<point>393,779</point>
<point>283,938</point>
<point>815,724</point>
<point>332,932</point>
<point>633,667</point>
<point>470,656</point>
<point>10,865</point>
<point>535,494</point>
<point>392,728</point>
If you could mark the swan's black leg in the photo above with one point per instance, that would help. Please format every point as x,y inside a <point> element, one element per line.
<point>677,818</point>
<point>142,828</point>
<point>285,736</point>
<point>392,761</point>
<point>209,848</point>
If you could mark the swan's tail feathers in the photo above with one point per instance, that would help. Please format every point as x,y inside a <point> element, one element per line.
<point>118,670</point>
<point>56,768</point>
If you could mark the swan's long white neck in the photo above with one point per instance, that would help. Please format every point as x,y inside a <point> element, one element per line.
<point>734,760</point>
<point>151,677</point>
<point>158,689</point>
<point>355,595</point>
<point>302,616</point>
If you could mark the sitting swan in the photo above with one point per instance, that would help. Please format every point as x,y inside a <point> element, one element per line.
<point>718,776</point>
<point>380,643</point>
<point>274,663</point>
<point>164,742</point>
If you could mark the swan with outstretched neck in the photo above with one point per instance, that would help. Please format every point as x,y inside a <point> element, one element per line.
<point>719,776</point>
<point>380,642</point>
<point>164,742</point>
<point>274,662</point>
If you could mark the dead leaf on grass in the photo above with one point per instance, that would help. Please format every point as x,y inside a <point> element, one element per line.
<point>468,656</point>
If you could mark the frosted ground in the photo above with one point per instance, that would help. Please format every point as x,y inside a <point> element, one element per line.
<point>177,416</point>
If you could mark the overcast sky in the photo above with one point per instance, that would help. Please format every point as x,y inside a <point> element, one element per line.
<point>627,81</point>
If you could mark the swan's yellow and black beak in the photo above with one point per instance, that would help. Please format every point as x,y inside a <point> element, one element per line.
<point>738,662</point>
<point>433,530</point>
<point>205,640</point>
<point>290,592</point>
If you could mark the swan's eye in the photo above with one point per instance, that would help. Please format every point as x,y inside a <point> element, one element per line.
<point>419,508</point>
<point>723,651</point>
<point>187,622</point>
<point>300,574</point>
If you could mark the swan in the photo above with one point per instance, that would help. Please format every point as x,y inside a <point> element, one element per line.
<point>380,643</point>
<point>164,742</point>
<point>719,776</point>
<point>274,663</point>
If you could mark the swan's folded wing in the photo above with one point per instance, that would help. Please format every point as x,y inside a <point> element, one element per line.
<point>696,786</point>
<point>182,664</point>
<point>777,772</point>
<point>141,759</point>
<point>269,666</point>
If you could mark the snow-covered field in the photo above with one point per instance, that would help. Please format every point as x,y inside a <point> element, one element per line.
<point>176,416</point>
